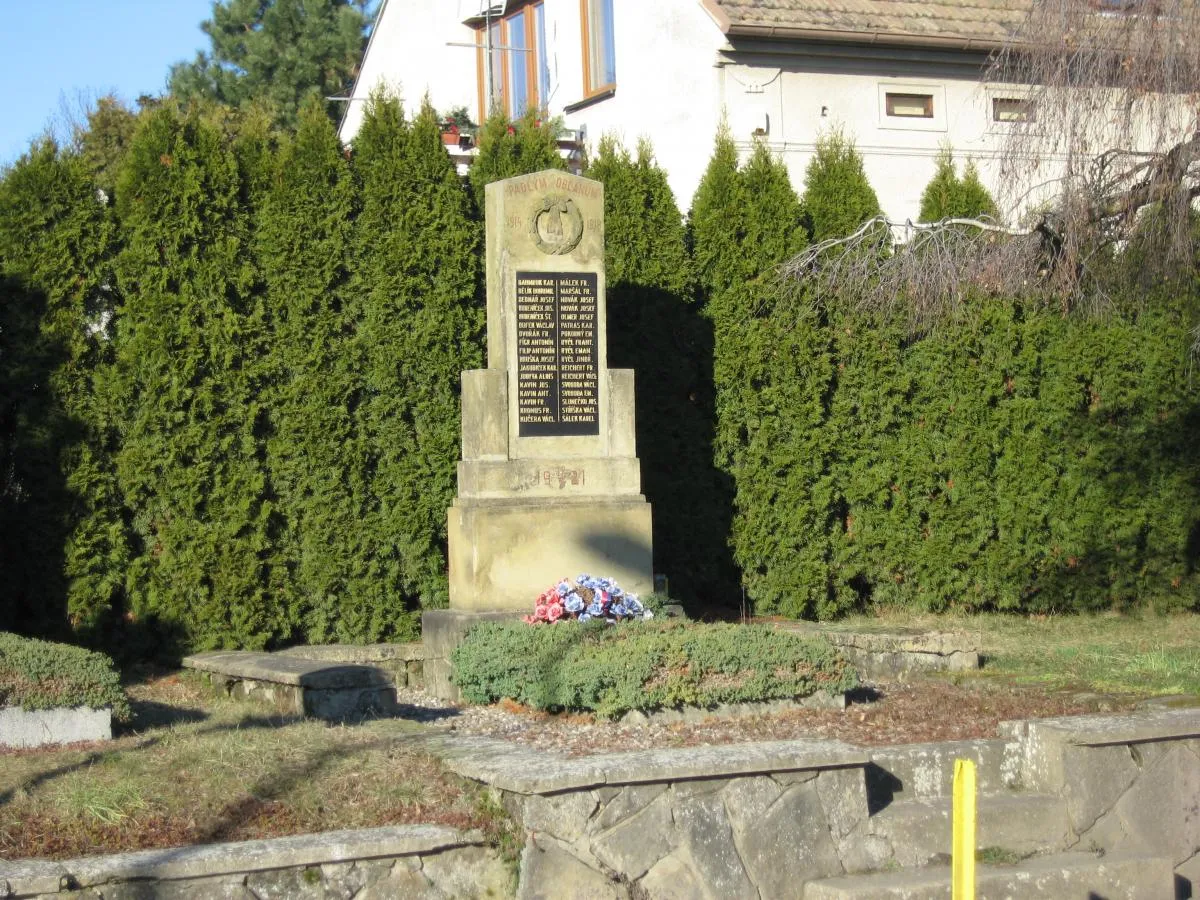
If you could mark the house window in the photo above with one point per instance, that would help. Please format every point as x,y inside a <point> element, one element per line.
<point>910,106</point>
<point>518,62</point>
<point>1013,109</point>
<point>599,46</point>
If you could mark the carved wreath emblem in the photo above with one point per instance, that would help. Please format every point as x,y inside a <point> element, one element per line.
<point>556,226</point>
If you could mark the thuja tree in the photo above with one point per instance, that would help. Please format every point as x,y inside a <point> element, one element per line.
<point>66,548</point>
<point>950,196</point>
<point>415,270</point>
<point>303,240</point>
<point>189,350</point>
<point>771,372</point>
<point>837,195</point>
<point>508,148</point>
<point>655,327</point>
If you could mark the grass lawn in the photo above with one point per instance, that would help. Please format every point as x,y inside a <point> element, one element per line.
<point>193,768</point>
<point>1143,655</point>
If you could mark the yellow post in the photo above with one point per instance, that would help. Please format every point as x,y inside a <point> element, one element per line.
<point>962,871</point>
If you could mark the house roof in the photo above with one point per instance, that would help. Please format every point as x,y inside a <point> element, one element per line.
<point>983,24</point>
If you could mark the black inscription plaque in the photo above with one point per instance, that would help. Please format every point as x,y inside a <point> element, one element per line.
<point>558,386</point>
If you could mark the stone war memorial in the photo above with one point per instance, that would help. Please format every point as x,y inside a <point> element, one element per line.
<point>549,485</point>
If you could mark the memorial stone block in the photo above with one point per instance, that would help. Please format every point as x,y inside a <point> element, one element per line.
<point>549,485</point>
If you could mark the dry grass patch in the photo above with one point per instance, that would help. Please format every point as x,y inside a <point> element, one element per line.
<point>1140,654</point>
<point>195,769</point>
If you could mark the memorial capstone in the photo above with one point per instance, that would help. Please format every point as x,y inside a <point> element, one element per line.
<point>549,485</point>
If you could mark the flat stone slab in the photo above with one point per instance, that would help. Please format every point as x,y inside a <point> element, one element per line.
<point>356,653</point>
<point>26,877</point>
<point>898,652</point>
<point>529,772</point>
<point>38,727</point>
<point>305,673</point>
<point>1119,728</point>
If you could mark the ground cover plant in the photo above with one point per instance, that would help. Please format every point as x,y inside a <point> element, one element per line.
<point>43,675</point>
<point>195,768</point>
<point>613,669</point>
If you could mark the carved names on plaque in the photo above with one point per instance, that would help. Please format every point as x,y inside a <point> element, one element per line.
<point>558,385</point>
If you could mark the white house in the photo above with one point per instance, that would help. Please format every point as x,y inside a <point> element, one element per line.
<point>900,77</point>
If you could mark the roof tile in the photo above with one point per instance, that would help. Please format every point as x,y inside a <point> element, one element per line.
<point>958,20</point>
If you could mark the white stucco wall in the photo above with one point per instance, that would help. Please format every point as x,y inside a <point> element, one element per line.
<point>409,55</point>
<point>668,86</point>
<point>667,83</point>
<point>672,84</point>
<point>899,155</point>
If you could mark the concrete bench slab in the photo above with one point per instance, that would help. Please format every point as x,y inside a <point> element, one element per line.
<point>364,654</point>
<point>279,669</point>
<point>402,664</point>
<point>334,691</point>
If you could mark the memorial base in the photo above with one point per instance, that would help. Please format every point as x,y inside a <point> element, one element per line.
<point>504,553</point>
<point>441,631</point>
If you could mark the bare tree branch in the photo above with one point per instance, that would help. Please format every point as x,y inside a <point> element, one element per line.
<point>1104,166</point>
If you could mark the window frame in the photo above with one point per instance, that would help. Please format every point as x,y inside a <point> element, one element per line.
<point>591,89</point>
<point>893,100</point>
<point>535,56</point>
<point>936,105</point>
<point>1024,110</point>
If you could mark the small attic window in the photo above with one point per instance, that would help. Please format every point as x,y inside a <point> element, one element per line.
<point>910,106</point>
<point>1013,109</point>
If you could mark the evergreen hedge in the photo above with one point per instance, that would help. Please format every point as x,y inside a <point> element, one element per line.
<point>303,239</point>
<point>66,543</point>
<point>190,351</point>
<point>229,382</point>
<point>416,272</point>
<point>656,328</point>
<point>837,195</point>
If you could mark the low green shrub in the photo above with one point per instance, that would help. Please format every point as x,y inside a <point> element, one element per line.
<point>613,669</point>
<point>42,675</point>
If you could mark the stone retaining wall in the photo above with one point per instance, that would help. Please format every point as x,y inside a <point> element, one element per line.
<point>767,820</point>
<point>1131,782</point>
<point>747,820</point>
<point>424,861</point>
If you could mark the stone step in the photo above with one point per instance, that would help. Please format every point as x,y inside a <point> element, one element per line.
<point>1022,824</point>
<point>1064,876</point>
<point>926,771</point>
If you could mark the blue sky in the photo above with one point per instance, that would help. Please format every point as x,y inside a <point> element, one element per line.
<point>54,51</point>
